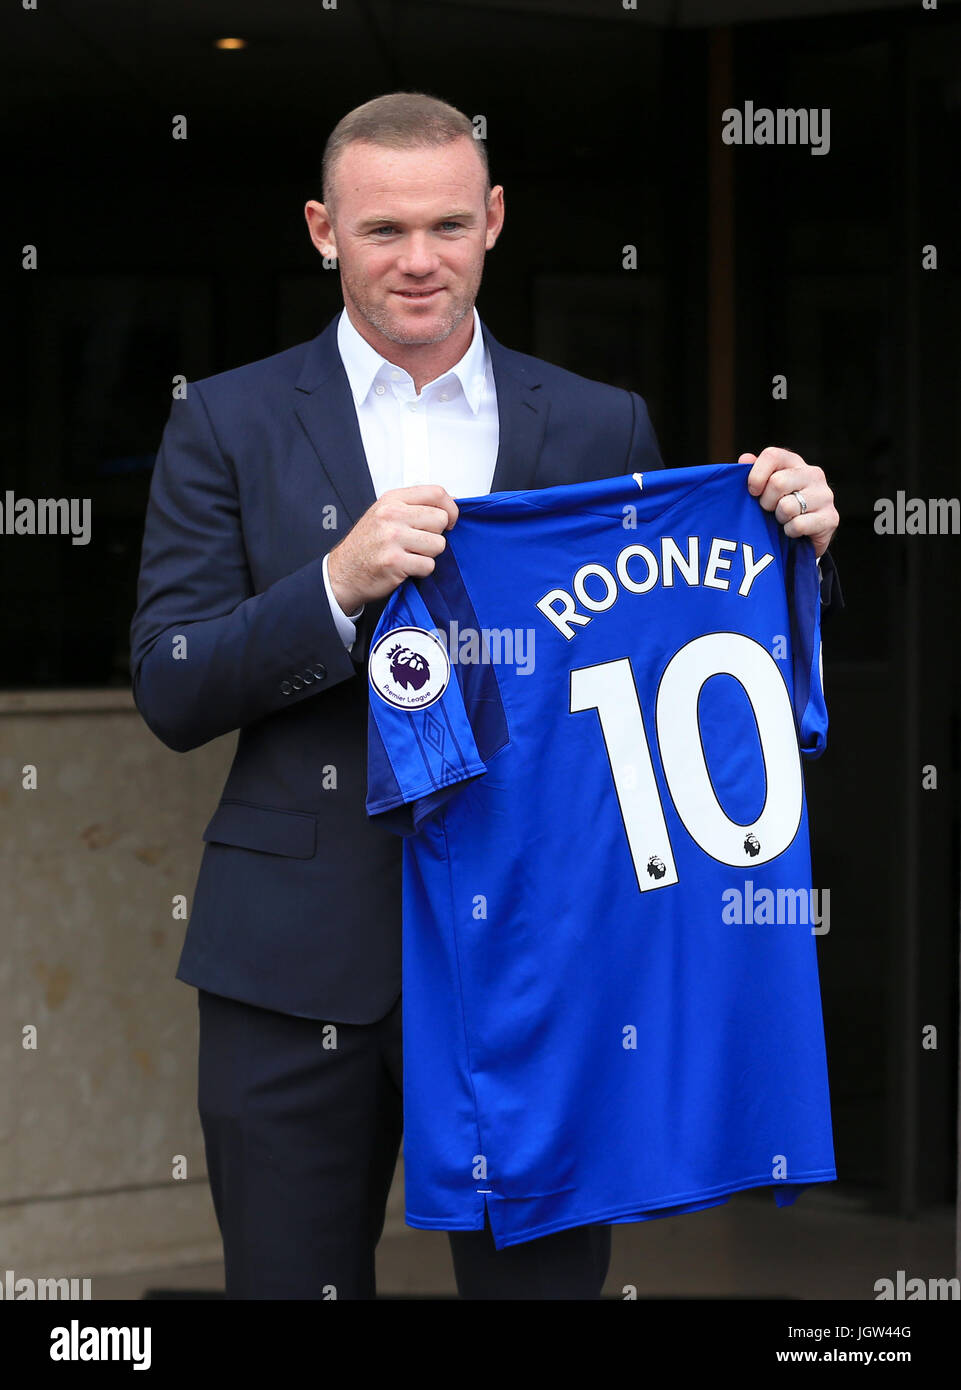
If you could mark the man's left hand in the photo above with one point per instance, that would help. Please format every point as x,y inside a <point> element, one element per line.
<point>776,475</point>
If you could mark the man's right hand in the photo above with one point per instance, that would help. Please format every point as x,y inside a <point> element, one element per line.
<point>396,539</point>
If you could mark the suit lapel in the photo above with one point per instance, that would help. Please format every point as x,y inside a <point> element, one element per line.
<point>326,410</point>
<point>522,417</point>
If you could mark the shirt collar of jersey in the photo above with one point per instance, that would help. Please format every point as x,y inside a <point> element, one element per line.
<point>362,363</point>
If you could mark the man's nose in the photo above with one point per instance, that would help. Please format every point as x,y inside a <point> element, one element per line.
<point>417,257</point>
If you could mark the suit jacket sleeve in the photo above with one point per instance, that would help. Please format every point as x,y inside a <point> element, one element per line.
<point>644,451</point>
<point>832,600</point>
<point>208,654</point>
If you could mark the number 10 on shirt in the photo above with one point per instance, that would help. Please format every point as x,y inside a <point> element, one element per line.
<point>610,689</point>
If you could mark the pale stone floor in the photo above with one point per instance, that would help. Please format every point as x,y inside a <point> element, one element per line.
<point>825,1247</point>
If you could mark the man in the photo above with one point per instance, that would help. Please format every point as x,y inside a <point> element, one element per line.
<point>289,499</point>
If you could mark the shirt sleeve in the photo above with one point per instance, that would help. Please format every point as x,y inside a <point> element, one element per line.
<point>804,597</point>
<point>416,758</point>
<point>343,622</point>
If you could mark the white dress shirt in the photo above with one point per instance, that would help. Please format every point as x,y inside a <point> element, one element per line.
<point>448,434</point>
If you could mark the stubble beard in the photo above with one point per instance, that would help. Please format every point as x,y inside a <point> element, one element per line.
<point>389,326</point>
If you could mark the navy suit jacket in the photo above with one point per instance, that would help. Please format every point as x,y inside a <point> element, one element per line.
<point>261,470</point>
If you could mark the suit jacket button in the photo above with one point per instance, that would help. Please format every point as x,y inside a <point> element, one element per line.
<point>308,677</point>
<point>320,672</point>
<point>285,687</point>
<point>297,683</point>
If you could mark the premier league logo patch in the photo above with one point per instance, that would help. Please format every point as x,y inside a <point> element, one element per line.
<point>409,668</point>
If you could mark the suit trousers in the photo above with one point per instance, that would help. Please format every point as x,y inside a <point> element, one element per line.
<point>302,1124</point>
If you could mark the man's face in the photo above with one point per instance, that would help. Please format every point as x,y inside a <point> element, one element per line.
<point>410,231</point>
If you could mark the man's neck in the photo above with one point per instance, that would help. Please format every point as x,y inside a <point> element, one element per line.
<point>425,362</point>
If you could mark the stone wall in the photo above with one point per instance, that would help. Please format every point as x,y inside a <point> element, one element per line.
<point>98,1040</point>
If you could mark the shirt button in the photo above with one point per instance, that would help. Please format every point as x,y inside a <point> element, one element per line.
<point>379,390</point>
<point>411,405</point>
<point>396,376</point>
<point>444,396</point>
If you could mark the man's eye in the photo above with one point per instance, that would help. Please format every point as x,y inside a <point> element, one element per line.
<point>446,225</point>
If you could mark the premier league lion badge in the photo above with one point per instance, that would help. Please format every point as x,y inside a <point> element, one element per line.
<point>409,668</point>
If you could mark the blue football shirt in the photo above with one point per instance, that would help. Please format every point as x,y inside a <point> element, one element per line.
<point>588,724</point>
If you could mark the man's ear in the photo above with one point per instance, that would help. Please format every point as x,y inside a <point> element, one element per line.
<point>321,228</point>
<point>495,205</point>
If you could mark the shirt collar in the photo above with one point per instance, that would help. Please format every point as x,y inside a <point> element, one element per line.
<point>362,363</point>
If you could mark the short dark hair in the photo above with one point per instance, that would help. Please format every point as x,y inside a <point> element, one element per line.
<point>399,121</point>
